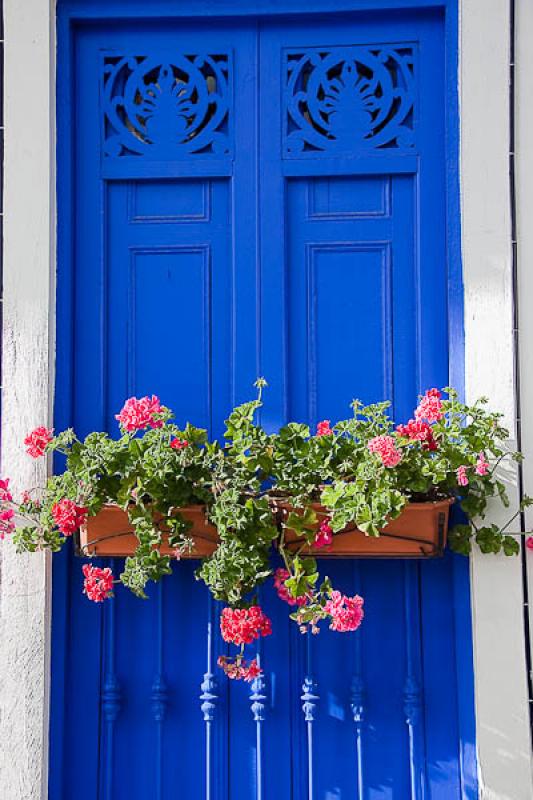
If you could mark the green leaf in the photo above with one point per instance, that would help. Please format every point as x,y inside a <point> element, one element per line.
<point>510,546</point>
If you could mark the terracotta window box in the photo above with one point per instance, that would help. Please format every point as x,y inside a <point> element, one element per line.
<point>419,532</point>
<point>109,533</point>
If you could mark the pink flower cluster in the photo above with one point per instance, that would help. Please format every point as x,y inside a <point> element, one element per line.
<point>98,583</point>
<point>324,536</point>
<point>323,428</point>
<point>37,440</point>
<point>385,447</point>
<point>481,468</point>
<point>239,669</point>
<point>346,612</point>
<point>419,431</point>
<point>280,576</point>
<point>244,625</point>
<point>7,522</point>
<point>5,494</point>
<point>68,516</point>
<point>482,465</point>
<point>430,406</point>
<point>179,444</point>
<point>462,477</point>
<point>138,414</point>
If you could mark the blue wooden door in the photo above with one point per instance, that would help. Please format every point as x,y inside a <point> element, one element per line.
<point>243,197</point>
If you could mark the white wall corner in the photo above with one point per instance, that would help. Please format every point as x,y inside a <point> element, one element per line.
<point>501,694</point>
<point>524,214</point>
<point>29,244</point>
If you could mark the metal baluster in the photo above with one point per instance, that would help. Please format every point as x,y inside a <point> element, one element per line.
<point>358,697</point>
<point>309,703</point>
<point>159,694</point>
<point>413,701</point>
<point>111,695</point>
<point>209,699</point>
<point>258,697</point>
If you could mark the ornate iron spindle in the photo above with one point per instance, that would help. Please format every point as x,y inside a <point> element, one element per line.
<point>209,699</point>
<point>159,696</point>
<point>412,694</point>
<point>309,699</point>
<point>358,697</point>
<point>258,697</point>
<point>111,694</point>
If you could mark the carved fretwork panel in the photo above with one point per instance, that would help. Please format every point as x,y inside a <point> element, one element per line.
<point>167,108</point>
<point>344,100</point>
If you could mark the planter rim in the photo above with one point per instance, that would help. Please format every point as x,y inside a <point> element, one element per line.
<point>190,507</point>
<point>413,505</point>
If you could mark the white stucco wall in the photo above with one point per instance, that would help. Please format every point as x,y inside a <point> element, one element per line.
<point>27,367</point>
<point>524,207</point>
<point>503,736</point>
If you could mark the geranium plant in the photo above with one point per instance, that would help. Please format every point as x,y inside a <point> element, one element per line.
<point>151,476</point>
<point>366,469</point>
<point>289,492</point>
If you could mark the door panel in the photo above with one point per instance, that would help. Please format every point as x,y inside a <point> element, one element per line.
<point>351,291</point>
<point>169,281</point>
<point>283,215</point>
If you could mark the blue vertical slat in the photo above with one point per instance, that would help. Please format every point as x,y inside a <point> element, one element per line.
<point>272,236</point>
<point>412,694</point>
<point>438,630</point>
<point>159,695</point>
<point>310,700</point>
<point>258,699</point>
<point>246,309</point>
<point>111,698</point>
<point>358,696</point>
<point>209,698</point>
<point>430,244</point>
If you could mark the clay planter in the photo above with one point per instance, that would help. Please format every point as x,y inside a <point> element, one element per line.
<point>109,533</point>
<point>419,532</point>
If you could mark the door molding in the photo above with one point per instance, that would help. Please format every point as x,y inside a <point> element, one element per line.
<point>29,348</point>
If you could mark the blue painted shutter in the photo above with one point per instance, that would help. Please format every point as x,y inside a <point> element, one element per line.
<point>257,198</point>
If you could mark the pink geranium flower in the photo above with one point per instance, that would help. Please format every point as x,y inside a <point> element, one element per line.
<point>244,625</point>
<point>5,494</point>
<point>385,447</point>
<point>7,522</point>
<point>420,431</point>
<point>37,441</point>
<point>179,444</point>
<point>324,536</point>
<point>462,477</point>
<point>138,414</point>
<point>98,583</point>
<point>346,612</point>
<point>323,428</point>
<point>239,669</point>
<point>482,465</point>
<point>430,406</point>
<point>68,516</point>
<point>280,576</point>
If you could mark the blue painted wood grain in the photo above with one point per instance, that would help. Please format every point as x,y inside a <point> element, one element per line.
<point>188,275</point>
